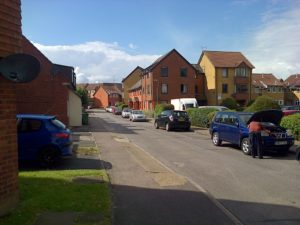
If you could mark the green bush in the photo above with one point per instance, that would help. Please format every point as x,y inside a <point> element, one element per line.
<point>292,123</point>
<point>230,103</point>
<point>162,107</point>
<point>262,103</point>
<point>200,117</point>
<point>149,113</point>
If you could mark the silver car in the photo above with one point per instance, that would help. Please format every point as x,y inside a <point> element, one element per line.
<point>126,113</point>
<point>137,115</point>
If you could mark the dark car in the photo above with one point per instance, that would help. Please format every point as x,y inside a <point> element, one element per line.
<point>117,111</point>
<point>232,127</point>
<point>173,119</point>
<point>42,138</point>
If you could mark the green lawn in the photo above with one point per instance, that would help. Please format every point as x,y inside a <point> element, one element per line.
<point>55,191</point>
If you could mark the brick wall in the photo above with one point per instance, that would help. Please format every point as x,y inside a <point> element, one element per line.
<point>10,42</point>
<point>46,94</point>
<point>101,98</point>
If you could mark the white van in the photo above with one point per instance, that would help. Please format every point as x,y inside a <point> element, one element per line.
<point>184,103</point>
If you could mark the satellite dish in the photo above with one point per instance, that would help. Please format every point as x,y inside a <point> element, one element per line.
<point>20,68</point>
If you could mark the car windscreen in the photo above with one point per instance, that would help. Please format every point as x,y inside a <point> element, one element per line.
<point>58,124</point>
<point>245,117</point>
<point>191,105</point>
<point>137,112</point>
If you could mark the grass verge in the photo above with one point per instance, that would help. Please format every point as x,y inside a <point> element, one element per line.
<point>55,191</point>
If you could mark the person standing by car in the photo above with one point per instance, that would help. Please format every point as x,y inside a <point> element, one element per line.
<point>255,139</point>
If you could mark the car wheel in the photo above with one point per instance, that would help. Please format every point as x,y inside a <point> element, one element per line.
<point>187,129</point>
<point>48,157</point>
<point>168,127</point>
<point>215,139</point>
<point>245,146</point>
<point>156,125</point>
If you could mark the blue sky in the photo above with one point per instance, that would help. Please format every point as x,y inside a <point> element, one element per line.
<point>106,39</point>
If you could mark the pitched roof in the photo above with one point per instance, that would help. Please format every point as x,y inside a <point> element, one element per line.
<point>198,68</point>
<point>137,68</point>
<point>226,59</point>
<point>112,88</point>
<point>293,80</point>
<point>160,59</point>
<point>88,86</point>
<point>265,79</point>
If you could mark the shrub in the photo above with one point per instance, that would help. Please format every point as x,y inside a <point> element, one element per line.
<point>292,123</point>
<point>83,93</point>
<point>162,107</point>
<point>149,113</point>
<point>200,117</point>
<point>230,103</point>
<point>262,103</point>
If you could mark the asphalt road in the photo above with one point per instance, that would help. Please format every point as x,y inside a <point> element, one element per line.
<point>252,191</point>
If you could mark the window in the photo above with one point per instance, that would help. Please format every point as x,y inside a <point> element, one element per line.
<point>224,72</point>
<point>241,72</point>
<point>241,88</point>
<point>224,88</point>
<point>183,88</point>
<point>164,88</point>
<point>280,102</point>
<point>164,71</point>
<point>183,72</point>
<point>29,125</point>
<point>257,90</point>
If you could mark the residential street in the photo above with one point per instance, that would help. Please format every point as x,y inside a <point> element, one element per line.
<point>161,177</point>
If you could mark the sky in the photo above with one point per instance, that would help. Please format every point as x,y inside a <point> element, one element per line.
<point>105,40</point>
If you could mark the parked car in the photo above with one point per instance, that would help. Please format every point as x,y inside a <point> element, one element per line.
<point>216,107</point>
<point>126,112</point>
<point>173,119</point>
<point>290,112</point>
<point>42,138</point>
<point>232,127</point>
<point>117,111</point>
<point>298,154</point>
<point>137,115</point>
<point>108,109</point>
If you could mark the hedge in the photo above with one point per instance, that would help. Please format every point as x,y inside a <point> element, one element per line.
<point>201,117</point>
<point>162,107</point>
<point>292,123</point>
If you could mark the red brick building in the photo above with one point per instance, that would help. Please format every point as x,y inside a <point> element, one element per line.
<point>48,93</point>
<point>108,94</point>
<point>171,76</point>
<point>135,96</point>
<point>10,43</point>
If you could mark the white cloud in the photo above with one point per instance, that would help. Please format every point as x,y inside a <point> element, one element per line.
<point>275,46</point>
<point>133,46</point>
<point>96,61</point>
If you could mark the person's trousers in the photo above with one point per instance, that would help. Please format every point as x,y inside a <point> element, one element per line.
<point>255,144</point>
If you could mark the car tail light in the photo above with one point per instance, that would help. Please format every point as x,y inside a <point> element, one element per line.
<point>62,135</point>
<point>171,118</point>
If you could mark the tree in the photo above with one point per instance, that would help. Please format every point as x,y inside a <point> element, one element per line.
<point>230,103</point>
<point>262,103</point>
<point>83,93</point>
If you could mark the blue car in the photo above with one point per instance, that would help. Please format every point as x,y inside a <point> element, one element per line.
<point>232,127</point>
<point>42,138</point>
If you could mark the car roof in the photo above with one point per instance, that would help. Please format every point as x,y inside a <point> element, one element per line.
<point>35,116</point>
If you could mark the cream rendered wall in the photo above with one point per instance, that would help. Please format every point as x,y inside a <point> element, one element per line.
<point>210,74</point>
<point>74,110</point>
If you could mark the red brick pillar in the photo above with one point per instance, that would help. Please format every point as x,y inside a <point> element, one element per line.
<point>8,147</point>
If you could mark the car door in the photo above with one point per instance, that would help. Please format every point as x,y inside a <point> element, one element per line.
<point>222,126</point>
<point>162,119</point>
<point>30,138</point>
<point>232,133</point>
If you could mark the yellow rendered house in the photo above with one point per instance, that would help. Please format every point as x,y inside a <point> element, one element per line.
<point>228,75</point>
